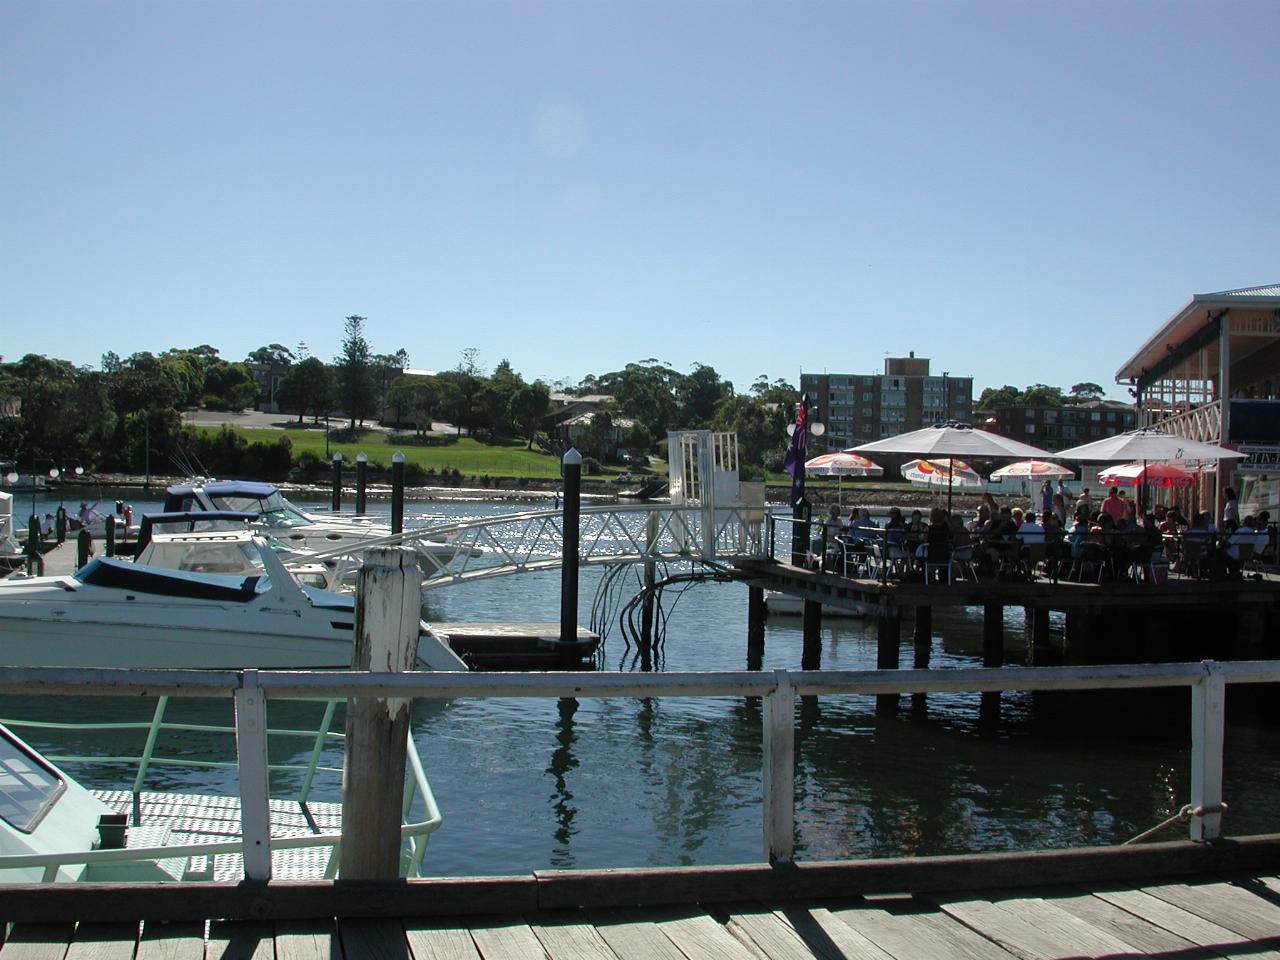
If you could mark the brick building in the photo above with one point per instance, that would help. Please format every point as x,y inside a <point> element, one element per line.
<point>1057,428</point>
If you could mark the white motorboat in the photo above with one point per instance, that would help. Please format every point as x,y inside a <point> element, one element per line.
<point>779,604</point>
<point>115,613</point>
<point>54,829</point>
<point>296,527</point>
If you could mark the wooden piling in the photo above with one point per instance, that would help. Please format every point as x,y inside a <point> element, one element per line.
<point>569,546</point>
<point>397,492</point>
<point>388,604</point>
<point>755,628</point>
<point>923,637</point>
<point>84,547</point>
<point>811,656</point>
<point>362,472</point>
<point>992,656</point>
<point>650,579</point>
<point>109,536</point>
<point>336,499</point>
<point>888,636</point>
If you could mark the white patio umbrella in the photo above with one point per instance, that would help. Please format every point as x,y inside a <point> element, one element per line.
<point>945,472</point>
<point>952,439</point>
<point>841,465</point>
<point>1032,470</point>
<point>1147,443</point>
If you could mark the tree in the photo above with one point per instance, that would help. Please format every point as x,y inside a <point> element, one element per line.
<point>529,405</point>
<point>308,387</point>
<point>759,432</point>
<point>992,397</point>
<point>418,397</point>
<point>277,359</point>
<point>356,389</point>
<point>699,394</point>
<point>229,386</point>
<point>1082,392</point>
<point>1042,395</point>
<point>460,400</point>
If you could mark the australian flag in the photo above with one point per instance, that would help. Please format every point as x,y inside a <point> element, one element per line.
<point>793,463</point>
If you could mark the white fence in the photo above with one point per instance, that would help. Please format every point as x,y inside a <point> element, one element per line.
<point>1207,682</point>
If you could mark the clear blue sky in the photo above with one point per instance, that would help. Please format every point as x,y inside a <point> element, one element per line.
<point>1022,191</point>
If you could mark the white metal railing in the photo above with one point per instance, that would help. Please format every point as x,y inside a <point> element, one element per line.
<point>1207,681</point>
<point>523,542</point>
<point>1202,423</point>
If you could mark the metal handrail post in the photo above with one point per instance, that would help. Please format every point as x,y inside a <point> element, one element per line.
<point>144,762</point>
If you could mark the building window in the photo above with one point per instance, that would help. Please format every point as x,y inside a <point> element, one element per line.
<point>1031,428</point>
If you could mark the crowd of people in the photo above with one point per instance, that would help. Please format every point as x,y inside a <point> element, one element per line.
<point>1072,536</point>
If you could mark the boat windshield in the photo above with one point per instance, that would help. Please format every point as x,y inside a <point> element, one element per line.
<point>273,510</point>
<point>28,786</point>
<point>203,556</point>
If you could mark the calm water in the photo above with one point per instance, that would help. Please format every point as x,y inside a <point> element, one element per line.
<point>528,784</point>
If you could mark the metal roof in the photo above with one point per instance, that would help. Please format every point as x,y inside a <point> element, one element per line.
<point>1193,315</point>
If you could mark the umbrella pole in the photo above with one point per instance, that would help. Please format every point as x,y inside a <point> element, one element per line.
<point>951,476</point>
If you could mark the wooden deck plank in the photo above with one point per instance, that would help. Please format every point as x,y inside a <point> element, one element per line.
<point>240,940</point>
<point>570,936</point>
<point>1034,929</point>
<point>37,941</point>
<point>307,940</point>
<point>104,941</point>
<point>919,933</point>
<point>1227,905</point>
<point>509,938</point>
<point>1189,926</point>
<point>444,940</point>
<point>850,944</point>
<point>1143,934</point>
<point>773,936</point>
<point>698,934</point>
<point>634,934</point>
<point>172,941</point>
<point>373,939</point>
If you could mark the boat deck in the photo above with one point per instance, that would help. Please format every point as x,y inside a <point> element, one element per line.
<point>1235,916</point>
<point>174,818</point>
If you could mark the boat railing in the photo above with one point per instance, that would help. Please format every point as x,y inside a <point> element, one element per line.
<point>414,833</point>
<point>1207,682</point>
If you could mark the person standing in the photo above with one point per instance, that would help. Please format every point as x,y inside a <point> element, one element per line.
<point>1046,496</point>
<point>1085,502</point>
<point>1230,510</point>
<point>1113,505</point>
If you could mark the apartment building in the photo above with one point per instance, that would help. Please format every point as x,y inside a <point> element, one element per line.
<point>1057,428</point>
<point>857,408</point>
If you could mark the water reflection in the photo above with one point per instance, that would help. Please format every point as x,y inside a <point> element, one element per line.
<point>562,761</point>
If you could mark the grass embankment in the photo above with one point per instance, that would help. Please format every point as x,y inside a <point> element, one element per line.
<point>470,457</point>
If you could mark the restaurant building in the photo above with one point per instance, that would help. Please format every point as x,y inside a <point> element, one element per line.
<point>1211,372</point>
<point>858,407</point>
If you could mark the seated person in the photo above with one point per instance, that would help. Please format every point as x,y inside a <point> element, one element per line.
<point>980,520</point>
<point>916,527</point>
<point>936,547</point>
<point>895,529</point>
<point>1030,531</point>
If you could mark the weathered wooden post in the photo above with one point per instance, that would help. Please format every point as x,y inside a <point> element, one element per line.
<point>779,771</point>
<point>362,469</point>
<point>388,604</point>
<point>84,547</point>
<point>811,627</point>
<point>922,637</point>
<point>336,503</point>
<point>755,628</point>
<point>109,535</point>
<point>397,492</point>
<point>569,546</point>
<point>888,636</point>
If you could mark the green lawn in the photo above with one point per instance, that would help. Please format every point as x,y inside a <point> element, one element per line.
<point>504,458</point>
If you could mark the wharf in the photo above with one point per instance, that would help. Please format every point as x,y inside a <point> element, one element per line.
<point>517,645</point>
<point>829,911</point>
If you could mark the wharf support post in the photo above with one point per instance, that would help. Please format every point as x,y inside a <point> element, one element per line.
<point>992,656</point>
<point>888,636</point>
<point>811,656</point>
<point>755,628</point>
<point>922,638</point>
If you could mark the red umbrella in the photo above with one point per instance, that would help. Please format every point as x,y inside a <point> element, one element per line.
<point>1146,474</point>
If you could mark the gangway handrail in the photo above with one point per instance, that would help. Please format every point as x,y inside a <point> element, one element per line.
<point>1207,680</point>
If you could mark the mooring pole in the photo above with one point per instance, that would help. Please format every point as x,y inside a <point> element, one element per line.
<point>35,559</point>
<point>569,549</point>
<point>650,579</point>
<point>60,523</point>
<point>337,483</point>
<point>755,628</point>
<point>388,608</point>
<point>397,492</point>
<point>362,469</point>
<point>84,547</point>
<point>992,656</point>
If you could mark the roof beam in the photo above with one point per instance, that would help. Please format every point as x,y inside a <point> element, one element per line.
<point>1197,341</point>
